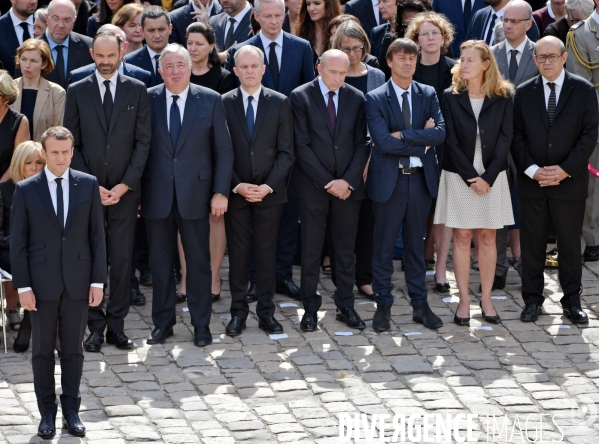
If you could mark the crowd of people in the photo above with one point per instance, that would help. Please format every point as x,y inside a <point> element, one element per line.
<point>158,136</point>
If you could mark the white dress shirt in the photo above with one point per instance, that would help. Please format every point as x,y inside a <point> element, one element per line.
<point>16,21</point>
<point>112,80</point>
<point>375,9</point>
<point>519,48</point>
<point>559,82</point>
<point>239,17</point>
<point>52,186</point>
<point>499,15</point>
<point>278,49</point>
<point>154,62</point>
<point>414,161</point>
<point>180,103</point>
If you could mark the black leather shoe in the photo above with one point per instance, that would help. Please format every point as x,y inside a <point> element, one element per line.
<point>490,319</point>
<point>252,294</point>
<point>145,278</point>
<point>159,335</point>
<point>441,287</point>
<point>576,315</point>
<point>94,342</point>
<point>47,427</point>
<point>235,326</point>
<point>530,313</point>
<point>137,298</point>
<point>119,339</point>
<point>381,321</point>
<point>591,254</point>
<point>202,337</point>
<point>289,288</point>
<point>270,325</point>
<point>309,321</point>
<point>424,315</point>
<point>180,298</point>
<point>368,295</point>
<point>73,424</point>
<point>350,317</point>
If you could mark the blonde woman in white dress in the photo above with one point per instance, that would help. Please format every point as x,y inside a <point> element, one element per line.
<point>474,196</point>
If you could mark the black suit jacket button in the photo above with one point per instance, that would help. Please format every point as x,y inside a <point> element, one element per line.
<point>171,177</point>
<point>252,153</point>
<point>336,148</point>
<point>105,163</point>
<point>107,146</point>
<point>550,145</point>
<point>482,131</point>
<point>175,159</point>
<point>484,146</point>
<point>64,238</point>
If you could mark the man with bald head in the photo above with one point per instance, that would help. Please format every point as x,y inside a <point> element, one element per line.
<point>126,69</point>
<point>69,49</point>
<point>555,131</point>
<point>331,150</point>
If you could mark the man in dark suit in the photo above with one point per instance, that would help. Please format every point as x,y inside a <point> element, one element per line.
<point>289,64</point>
<point>58,259</point>
<point>405,124</point>
<point>459,12</point>
<point>188,176</point>
<point>261,126</point>
<point>484,21</point>
<point>157,27</point>
<point>109,116</point>
<point>69,49</point>
<point>388,9</point>
<point>367,11</point>
<point>15,28</point>
<point>232,26</point>
<point>183,17</point>
<point>331,150</point>
<point>127,70</point>
<point>85,9</point>
<point>555,132</point>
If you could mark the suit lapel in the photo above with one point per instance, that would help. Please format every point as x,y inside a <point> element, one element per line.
<point>40,101</point>
<point>525,59</point>
<point>457,8</point>
<point>563,95</point>
<point>267,78</point>
<point>394,104</point>
<point>319,98</point>
<point>161,117</point>
<point>74,53</point>
<point>502,62</point>
<point>487,103</point>
<point>119,93</point>
<point>238,105</point>
<point>416,106</point>
<point>261,112</point>
<point>73,198</point>
<point>11,35</point>
<point>191,108</point>
<point>44,190</point>
<point>369,11</point>
<point>539,91</point>
<point>464,101</point>
<point>242,27</point>
<point>94,95</point>
<point>340,106</point>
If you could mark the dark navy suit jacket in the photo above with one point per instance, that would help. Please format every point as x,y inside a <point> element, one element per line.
<point>200,165</point>
<point>8,44</point>
<point>181,18</point>
<point>362,9</point>
<point>129,70</point>
<point>44,257</point>
<point>141,59</point>
<point>384,117</point>
<point>452,9</point>
<point>296,67</point>
<point>376,40</point>
<point>243,30</point>
<point>481,19</point>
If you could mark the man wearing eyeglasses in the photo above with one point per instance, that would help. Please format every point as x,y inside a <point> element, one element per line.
<point>69,49</point>
<point>555,131</point>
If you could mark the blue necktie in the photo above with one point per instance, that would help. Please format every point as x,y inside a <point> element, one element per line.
<point>249,116</point>
<point>175,123</point>
<point>59,203</point>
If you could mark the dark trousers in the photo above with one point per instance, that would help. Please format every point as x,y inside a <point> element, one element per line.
<point>344,225</point>
<point>162,238</point>
<point>140,259</point>
<point>120,231</point>
<point>287,240</point>
<point>69,316</point>
<point>536,216</point>
<point>407,209</point>
<point>248,223</point>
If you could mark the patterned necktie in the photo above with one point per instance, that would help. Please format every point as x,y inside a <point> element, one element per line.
<point>25,27</point>
<point>107,103</point>
<point>513,64</point>
<point>273,63</point>
<point>490,31</point>
<point>229,38</point>
<point>552,102</point>
<point>331,109</point>
<point>175,123</point>
<point>60,68</point>
<point>249,117</point>
<point>59,203</point>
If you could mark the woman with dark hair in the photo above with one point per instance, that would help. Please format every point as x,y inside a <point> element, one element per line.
<point>108,8</point>
<point>314,19</point>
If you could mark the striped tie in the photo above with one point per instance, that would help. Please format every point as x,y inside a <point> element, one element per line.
<point>551,105</point>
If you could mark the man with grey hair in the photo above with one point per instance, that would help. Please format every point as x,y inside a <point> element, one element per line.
<point>289,64</point>
<point>187,177</point>
<point>233,24</point>
<point>126,69</point>
<point>331,150</point>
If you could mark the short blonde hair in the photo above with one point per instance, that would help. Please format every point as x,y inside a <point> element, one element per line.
<point>8,89</point>
<point>445,26</point>
<point>25,152</point>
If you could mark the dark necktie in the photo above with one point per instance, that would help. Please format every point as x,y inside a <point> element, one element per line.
<point>249,117</point>
<point>175,123</point>
<point>513,65</point>
<point>59,203</point>
<point>467,14</point>
<point>331,109</point>
<point>60,68</point>
<point>552,103</point>
<point>107,103</point>
<point>490,31</point>
<point>25,27</point>
<point>273,63</point>
<point>407,123</point>
<point>229,38</point>
<point>158,76</point>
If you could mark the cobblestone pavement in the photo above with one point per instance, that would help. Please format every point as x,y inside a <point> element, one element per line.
<point>258,390</point>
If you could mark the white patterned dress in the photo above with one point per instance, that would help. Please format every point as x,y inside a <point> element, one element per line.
<point>458,205</point>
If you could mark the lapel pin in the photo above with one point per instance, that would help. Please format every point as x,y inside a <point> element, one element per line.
<point>74,184</point>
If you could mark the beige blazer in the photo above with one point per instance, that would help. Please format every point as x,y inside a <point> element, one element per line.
<point>49,106</point>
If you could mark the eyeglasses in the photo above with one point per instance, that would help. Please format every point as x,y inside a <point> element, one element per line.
<point>551,57</point>
<point>428,34</point>
<point>355,49</point>
<point>514,21</point>
<point>65,21</point>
